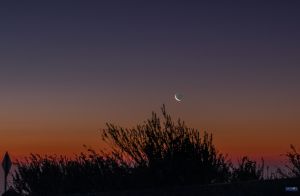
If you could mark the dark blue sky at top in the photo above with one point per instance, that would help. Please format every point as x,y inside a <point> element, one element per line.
<point>149,47</point>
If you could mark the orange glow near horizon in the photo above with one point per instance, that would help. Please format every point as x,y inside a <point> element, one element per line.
<point>256,140</point>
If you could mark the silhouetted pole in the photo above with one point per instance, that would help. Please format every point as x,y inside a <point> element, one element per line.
<point>6,164</point>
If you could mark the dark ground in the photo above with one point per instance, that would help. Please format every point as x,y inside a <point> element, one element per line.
<point>257,188</point>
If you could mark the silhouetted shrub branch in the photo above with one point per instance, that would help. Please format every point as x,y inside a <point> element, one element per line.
<point>292,168</point>
<point>248,170</point>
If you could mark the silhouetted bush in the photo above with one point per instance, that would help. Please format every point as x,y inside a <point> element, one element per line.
<point>247,170</point>
<point>157,153</point>
<point>163,152</point>
<point>292,168</point>
<point>41,175</point>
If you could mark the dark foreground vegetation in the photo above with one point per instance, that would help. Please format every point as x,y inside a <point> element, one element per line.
<point>160,154</point>
<point>275,187</point>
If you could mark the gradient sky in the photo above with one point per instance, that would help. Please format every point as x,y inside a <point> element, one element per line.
<point>68,67</point>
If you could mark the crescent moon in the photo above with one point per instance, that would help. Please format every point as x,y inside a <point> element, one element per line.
<point>178,97</point>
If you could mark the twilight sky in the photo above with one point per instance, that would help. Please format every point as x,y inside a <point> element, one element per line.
<point>68,67</point>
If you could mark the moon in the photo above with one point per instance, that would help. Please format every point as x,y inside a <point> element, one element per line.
<point>178,97</point>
